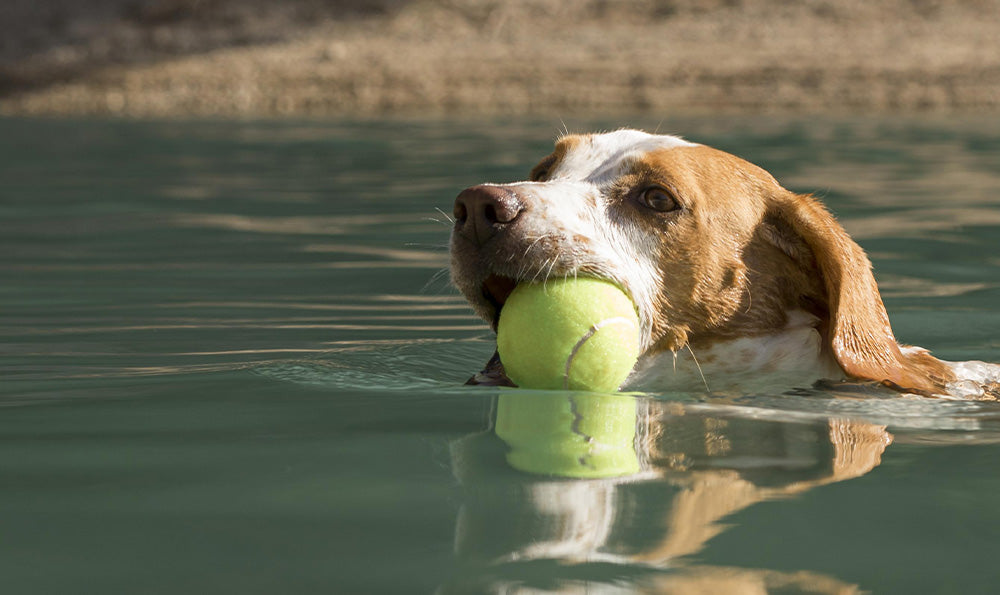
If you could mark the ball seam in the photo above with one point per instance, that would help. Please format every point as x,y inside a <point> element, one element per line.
<point>579,344</point>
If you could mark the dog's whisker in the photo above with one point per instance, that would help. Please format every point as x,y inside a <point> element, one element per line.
<point>419,245</point>
<point>697,365</point>
<point>539,272</point>
<point>445,215</point>
<point>434,278</point>
<point>532,245</point>
<point>549,264</point>
<point>548,274</point>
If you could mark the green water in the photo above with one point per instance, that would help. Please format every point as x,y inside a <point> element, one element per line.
<point>232,363</point>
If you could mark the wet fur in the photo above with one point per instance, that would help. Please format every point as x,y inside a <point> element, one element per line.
<point>737,260</point>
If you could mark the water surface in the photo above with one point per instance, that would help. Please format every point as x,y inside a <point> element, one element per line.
<point>232,362</point>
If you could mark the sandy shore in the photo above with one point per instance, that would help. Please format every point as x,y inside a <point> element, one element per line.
<point>200,58</point>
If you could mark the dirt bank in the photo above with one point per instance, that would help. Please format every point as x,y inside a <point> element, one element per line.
<point>308,57</point>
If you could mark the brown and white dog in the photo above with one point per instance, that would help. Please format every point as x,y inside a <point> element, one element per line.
<point>741,278</point>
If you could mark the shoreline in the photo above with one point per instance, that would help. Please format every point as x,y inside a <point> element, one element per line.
<point>534,57</point>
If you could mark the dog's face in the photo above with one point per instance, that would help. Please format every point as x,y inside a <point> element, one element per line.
<point>665,219</point>
<point>709,247</point>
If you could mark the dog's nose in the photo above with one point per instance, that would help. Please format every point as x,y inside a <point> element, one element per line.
<point>482,211</point>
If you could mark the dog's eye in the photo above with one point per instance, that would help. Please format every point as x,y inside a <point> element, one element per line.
<point>659,199</point>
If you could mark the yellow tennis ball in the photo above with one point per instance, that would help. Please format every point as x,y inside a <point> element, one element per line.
<point>576,334</point>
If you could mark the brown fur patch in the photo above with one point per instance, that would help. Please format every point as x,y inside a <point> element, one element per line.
<point>706,283</point>
<point>743,252</point>
<point>859,331</point>
<point>550,162</point>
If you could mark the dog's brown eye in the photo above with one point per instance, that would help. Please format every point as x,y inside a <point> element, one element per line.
<point>659,199</point>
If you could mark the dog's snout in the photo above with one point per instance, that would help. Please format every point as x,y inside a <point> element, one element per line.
<point>482,211</point>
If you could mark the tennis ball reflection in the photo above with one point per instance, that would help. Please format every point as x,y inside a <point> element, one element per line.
<point>578,435</point>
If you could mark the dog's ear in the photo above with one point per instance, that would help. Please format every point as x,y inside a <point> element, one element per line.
<point>859,333</point>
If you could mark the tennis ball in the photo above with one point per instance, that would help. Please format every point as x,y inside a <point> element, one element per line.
<point>576,334</point>
<point>579,435</point>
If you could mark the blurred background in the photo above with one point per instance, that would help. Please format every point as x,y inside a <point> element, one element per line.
<point>415,57</point>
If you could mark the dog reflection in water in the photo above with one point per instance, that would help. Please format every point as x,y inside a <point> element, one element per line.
<point>562,479</point>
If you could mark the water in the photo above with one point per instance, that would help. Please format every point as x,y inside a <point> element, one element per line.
<point>231,362</point>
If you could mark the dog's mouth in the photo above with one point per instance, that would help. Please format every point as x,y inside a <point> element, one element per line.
<point>496,290</point>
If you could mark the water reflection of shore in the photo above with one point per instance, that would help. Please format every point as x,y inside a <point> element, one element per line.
<point>635,528</point>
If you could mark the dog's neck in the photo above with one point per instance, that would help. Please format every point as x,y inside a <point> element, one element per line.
<point>792,355</point>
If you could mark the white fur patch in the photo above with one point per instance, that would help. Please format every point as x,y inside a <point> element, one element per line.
<point>569,232</point>
<point>570,229</point>
<point>790,356</point>
<point>601,158</point>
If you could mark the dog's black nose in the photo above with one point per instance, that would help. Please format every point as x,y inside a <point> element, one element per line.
<point>482,211</point>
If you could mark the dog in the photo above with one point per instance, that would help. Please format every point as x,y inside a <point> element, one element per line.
<point>735,279</point>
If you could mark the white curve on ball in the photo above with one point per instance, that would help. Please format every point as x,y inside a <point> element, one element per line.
<point>590,333</point>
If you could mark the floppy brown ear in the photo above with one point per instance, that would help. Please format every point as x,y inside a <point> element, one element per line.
<point>859,333</point>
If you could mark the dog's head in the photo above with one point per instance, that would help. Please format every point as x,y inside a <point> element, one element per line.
<point>709,247</point>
